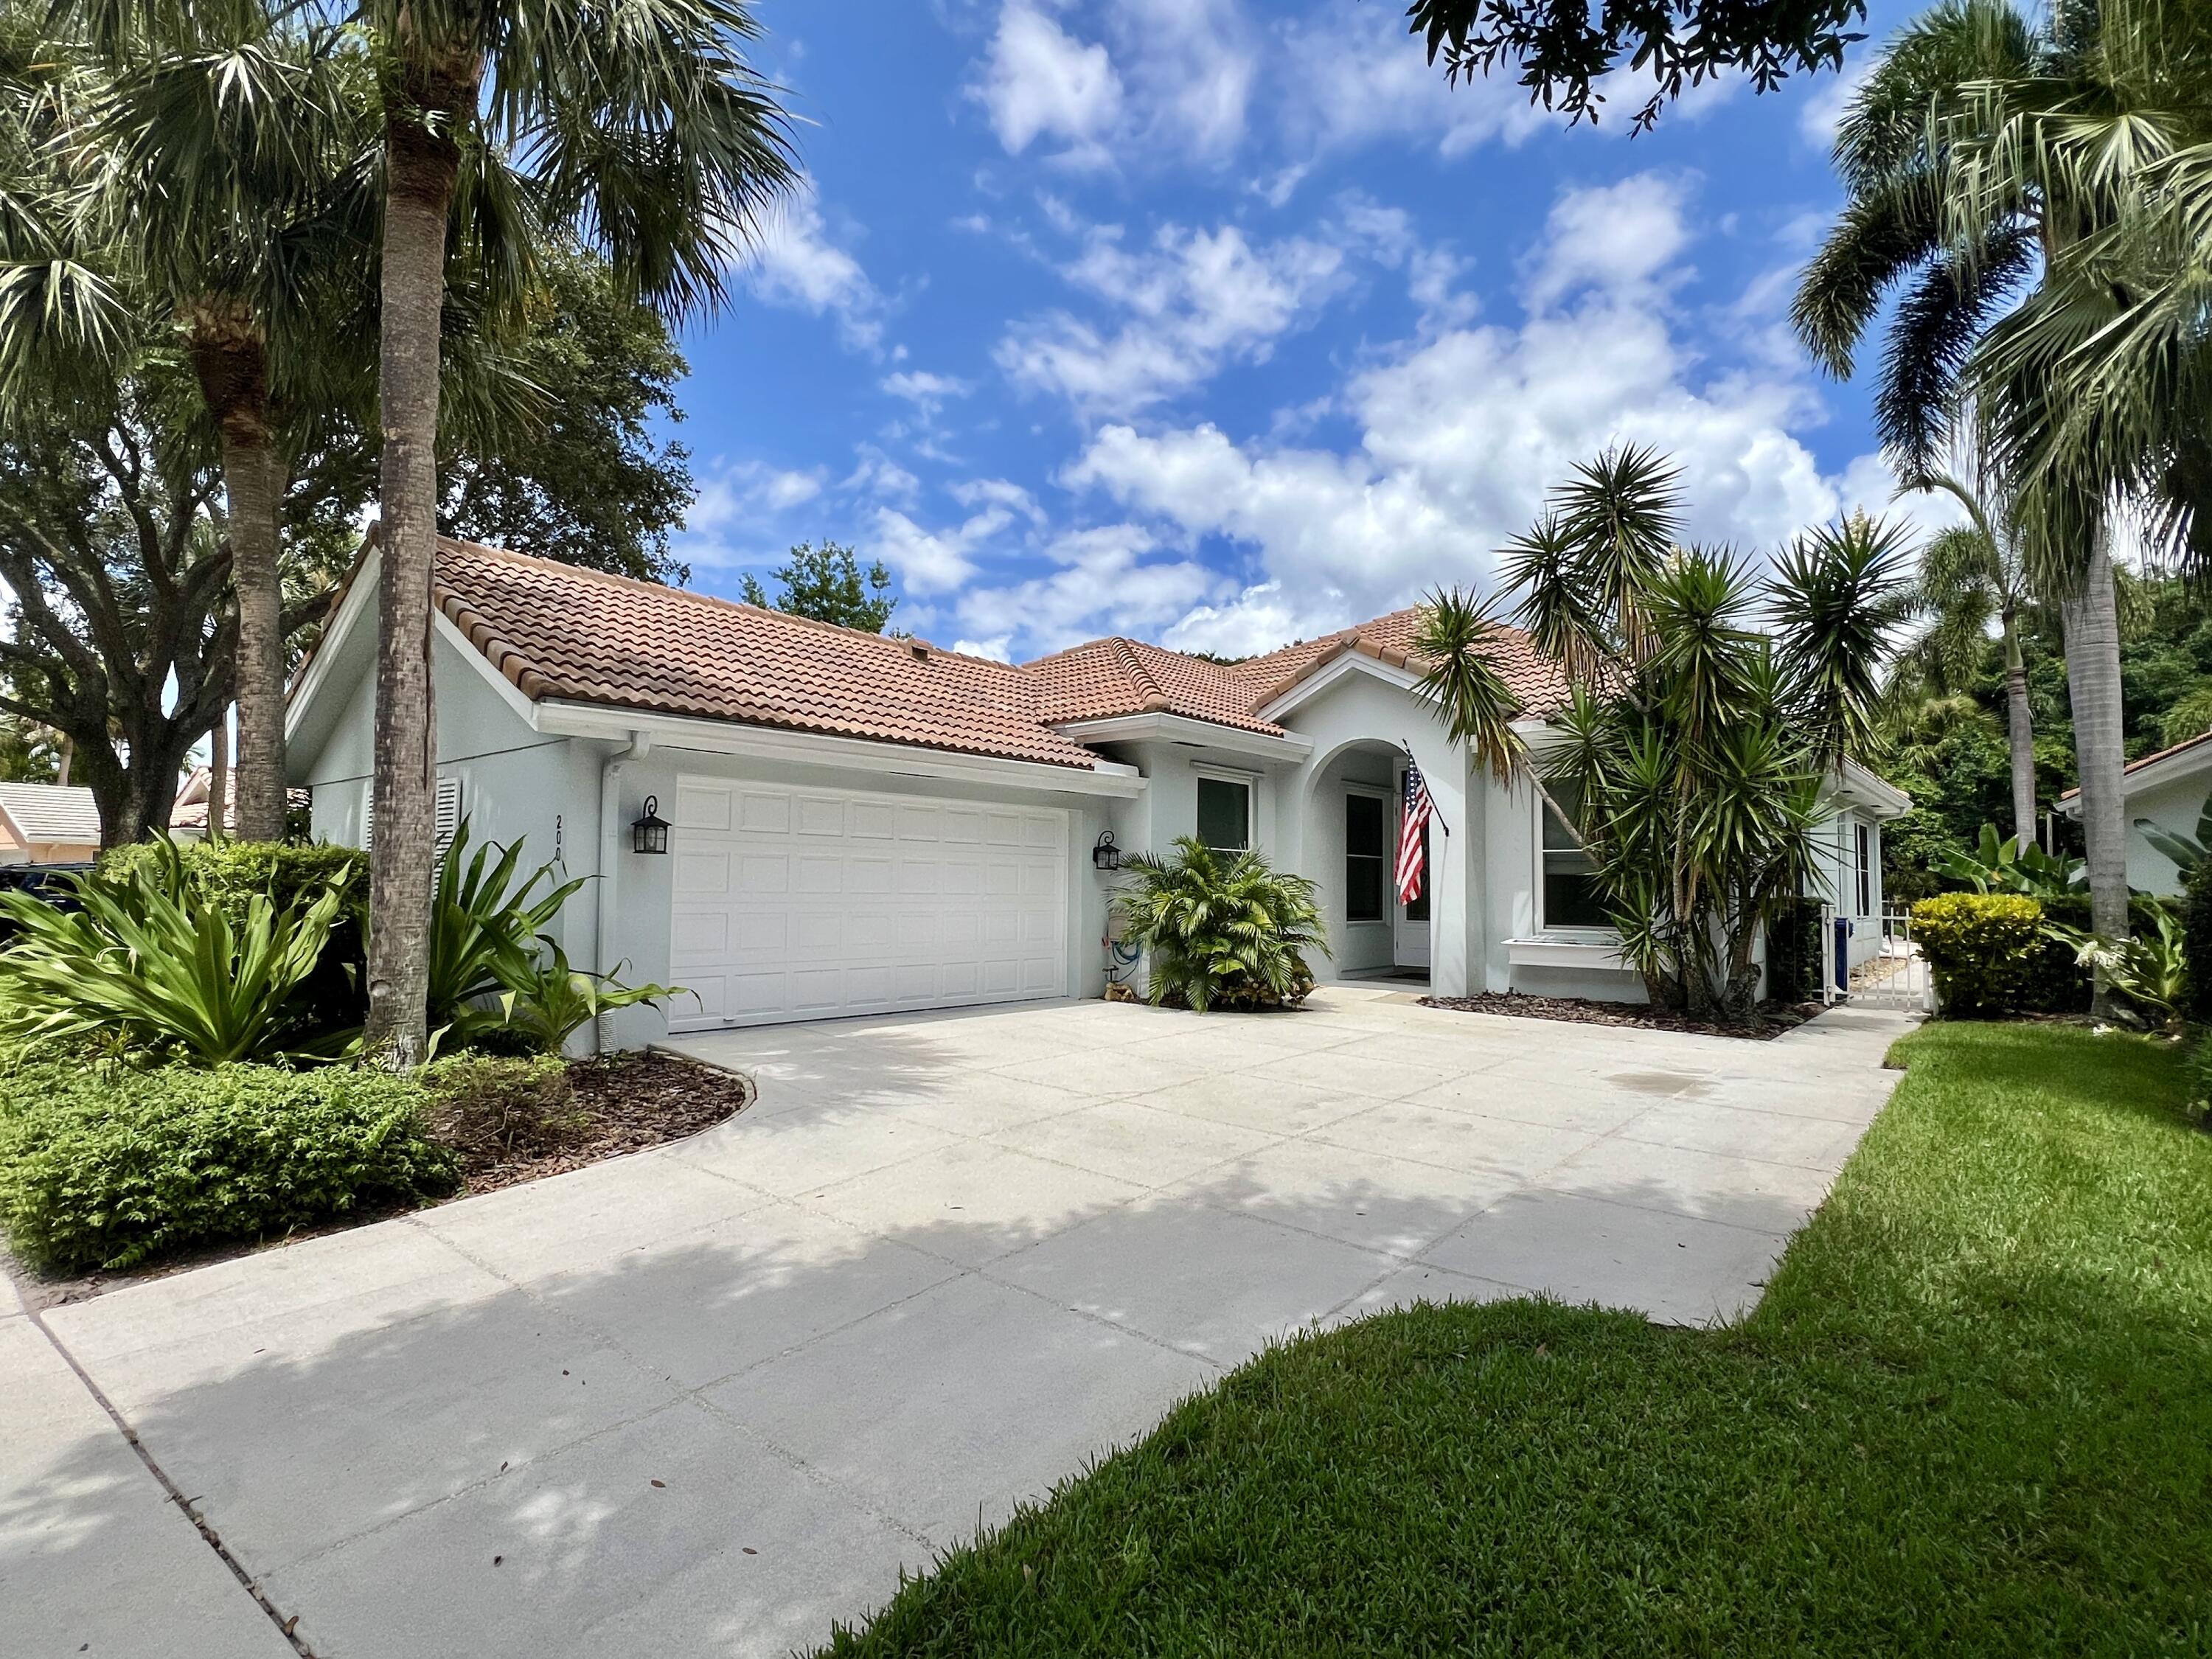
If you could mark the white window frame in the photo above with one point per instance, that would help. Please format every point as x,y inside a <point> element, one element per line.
<point>1595,934</point>
<point>1375,791</point>
<point>1243,780</point>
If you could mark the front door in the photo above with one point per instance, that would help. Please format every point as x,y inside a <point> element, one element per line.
<point>1410,928</point>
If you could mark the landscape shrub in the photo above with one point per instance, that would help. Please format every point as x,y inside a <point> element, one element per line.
<point>2058,982</point>
<point>497,1106</point>
<point>1793,952</point>
<point>2197,940</point>
<point>147,961</point>
<point>110,1166</point>
<point>1980,948</point>
<point>1223,930</point>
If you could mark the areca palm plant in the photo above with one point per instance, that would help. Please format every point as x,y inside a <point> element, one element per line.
<point>637,126</point>
<point>1710,707</point>
<point>1222,929</point>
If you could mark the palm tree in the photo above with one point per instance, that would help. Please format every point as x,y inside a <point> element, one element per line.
<point>229,150</point>
<point>1970,576</point>
<point>1709,708</point>
<point>638,125</point>
<point>1947,196</point>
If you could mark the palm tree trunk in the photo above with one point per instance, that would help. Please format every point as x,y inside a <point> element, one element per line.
<point>218,814</point>
<point>232,361</point>
<point>2092,623</point>
<point>2022,738</point>
<point>420,169</point>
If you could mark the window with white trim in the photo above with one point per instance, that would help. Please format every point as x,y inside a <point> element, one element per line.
<point>1566,894</point>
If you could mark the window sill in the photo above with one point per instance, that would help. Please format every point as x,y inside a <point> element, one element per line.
<point>1597,951</point>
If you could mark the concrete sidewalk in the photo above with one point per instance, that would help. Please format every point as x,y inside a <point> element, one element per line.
<point>709,1398</point>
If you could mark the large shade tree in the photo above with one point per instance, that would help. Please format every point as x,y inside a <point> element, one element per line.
<point>637,126</point>
<point>1711,705</point>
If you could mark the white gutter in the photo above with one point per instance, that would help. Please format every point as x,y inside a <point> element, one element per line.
<point>611,771</point>
<point>1189,731</point>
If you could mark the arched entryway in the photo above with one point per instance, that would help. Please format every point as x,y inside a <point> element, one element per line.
<point>1351,817</point>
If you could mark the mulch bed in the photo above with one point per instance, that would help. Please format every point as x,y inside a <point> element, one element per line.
<point>1774,1018</point>
<point>628,1102</point>
<point>625,1102</point>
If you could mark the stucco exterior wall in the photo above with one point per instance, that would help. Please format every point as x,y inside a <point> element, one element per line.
<point>2175,806</point>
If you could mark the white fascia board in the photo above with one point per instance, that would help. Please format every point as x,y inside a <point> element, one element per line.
<point>2171,769</point>
<point>1351,662</point>
<point>580,719</point>
<point>360,601</point>
<point>1181,728</point>
<point>1883,799</point>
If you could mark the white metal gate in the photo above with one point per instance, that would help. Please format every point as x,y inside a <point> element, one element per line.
<point>1872,961</point>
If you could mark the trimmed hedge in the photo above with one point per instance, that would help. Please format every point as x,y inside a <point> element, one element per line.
<point>1984,950</point>
<point>107,1167</point>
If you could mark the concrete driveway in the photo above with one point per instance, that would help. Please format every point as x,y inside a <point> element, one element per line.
<point>709,1398</point>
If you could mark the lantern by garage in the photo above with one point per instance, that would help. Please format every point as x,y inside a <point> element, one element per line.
<point>650,833</point>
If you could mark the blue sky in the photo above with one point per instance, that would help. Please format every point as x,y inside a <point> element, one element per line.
<point>1223,323</point>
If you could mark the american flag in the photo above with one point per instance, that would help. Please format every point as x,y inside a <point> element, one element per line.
<point>1412,837</point>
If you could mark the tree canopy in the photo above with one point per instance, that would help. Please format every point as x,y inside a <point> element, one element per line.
<point>828,584</point>
<point>1566,54</point>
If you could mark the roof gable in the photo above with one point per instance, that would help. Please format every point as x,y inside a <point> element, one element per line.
<point>50,813</point>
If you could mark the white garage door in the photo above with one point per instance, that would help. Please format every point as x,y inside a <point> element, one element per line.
<point>806,904</point>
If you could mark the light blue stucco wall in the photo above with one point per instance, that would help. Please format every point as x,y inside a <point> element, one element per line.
<point>2176,806</point>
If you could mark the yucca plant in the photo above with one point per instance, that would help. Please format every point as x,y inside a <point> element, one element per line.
<point>1223,929</point>
<point>550,1000</point>
<point>149,962</point>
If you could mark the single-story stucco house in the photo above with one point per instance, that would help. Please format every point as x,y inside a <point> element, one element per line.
<point>48,823</point>
<point>2168,789</point>
<point>862,824</point>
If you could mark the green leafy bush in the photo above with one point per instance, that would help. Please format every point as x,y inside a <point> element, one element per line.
<point>149,960</point>
<point>1999,864</point>
<point>484,928</point>
<point>494,1106</point>
<point>2196,942</point>
<point>1223,929</point>
<point>2058,981</point>
<point>2148,972</point>
<point>110,1166</point>
<point>548,1001</point>
<point>1980,948</point>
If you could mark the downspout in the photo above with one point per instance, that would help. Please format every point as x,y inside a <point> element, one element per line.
<point>611,771</point>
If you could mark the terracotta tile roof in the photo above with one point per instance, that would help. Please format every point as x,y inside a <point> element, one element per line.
<point>1538,685</point>
<point>1116,676</point>
<point>2149,760</point>
<point>558,631</point>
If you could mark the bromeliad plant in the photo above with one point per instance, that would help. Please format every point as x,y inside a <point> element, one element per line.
<point>1707,707</point>
<point>1222,929</point>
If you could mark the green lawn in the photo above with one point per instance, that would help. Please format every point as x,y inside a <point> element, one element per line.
<point>1973,1415</point>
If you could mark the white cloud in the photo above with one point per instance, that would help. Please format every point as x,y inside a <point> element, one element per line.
<point>1041,81</point>
<point>1192,302</point>
<point>1619,238</point>
<point>731,521</point>
<point>933,560</point>
<point>879,476</point>
<point>1823,111</point>
<point>1104,584</point>
<point>997,492</point>
<point>1351,75</point>
<point>797,266</point>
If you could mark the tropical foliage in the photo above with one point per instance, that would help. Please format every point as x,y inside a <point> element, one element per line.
<point>105,1167</point>
<point>146,963</point>
<point>828,584</point>
<point>548,1001</point>
<point>1710,706</point>
<point>1982,949</point>
<point>1221,930</point>
<point>2149,973</point>
<point>2001,865</point>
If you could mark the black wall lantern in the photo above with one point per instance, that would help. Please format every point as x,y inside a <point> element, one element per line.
<point>650,833</point>
<point>1105,855</point>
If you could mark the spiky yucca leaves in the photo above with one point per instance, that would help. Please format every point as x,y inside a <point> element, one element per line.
<point>1710,706</point>
<point>1469,694</point>
<point>1222,928</point>
<point>484,931</point>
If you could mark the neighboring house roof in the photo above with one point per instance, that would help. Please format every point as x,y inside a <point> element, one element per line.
<point>557,631</point>
<point>50,813</point>
<point>1536,684</point>
<point>2178,761</point>
<point>190,809</point>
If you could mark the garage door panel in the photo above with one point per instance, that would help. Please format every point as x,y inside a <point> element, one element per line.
<point>800,903</point>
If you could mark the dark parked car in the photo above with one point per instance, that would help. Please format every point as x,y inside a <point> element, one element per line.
<point>40,881</point>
